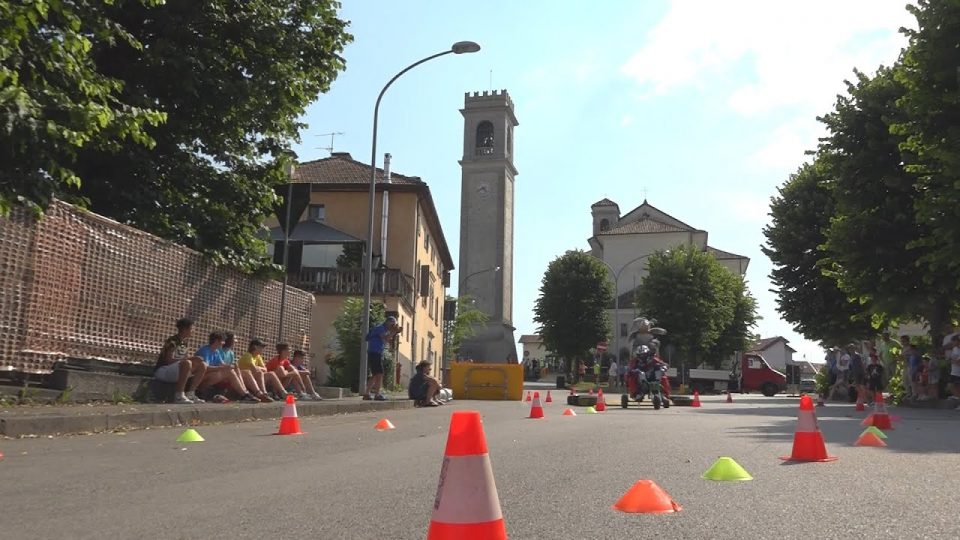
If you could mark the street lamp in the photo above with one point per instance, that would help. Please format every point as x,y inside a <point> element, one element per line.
<point>616,298</point>
<point>463,281</point>
<point>460,47</point>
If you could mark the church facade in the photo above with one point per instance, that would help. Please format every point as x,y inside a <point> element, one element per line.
<point>625,241</point>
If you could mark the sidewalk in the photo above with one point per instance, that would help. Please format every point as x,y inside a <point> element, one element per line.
<point>22,421</point>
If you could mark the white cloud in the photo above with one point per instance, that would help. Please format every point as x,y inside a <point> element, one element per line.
<point>786,146</point>
<point>626,120</point>
<point>743,206</point>
<point>798,53</point>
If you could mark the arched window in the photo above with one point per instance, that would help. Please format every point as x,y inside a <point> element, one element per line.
<point>485,138</point>
<point>604,224</point>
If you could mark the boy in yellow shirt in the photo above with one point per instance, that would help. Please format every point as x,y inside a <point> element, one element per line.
<point>252,362</point>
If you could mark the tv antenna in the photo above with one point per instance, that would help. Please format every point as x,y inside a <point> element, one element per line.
<point>331,135</point>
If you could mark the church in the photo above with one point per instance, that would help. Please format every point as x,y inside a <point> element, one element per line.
<point>624,242</point>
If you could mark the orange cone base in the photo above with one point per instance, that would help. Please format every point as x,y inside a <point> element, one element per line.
<point>492,530</point>
<point>880,421</point>
<point>860,407</point>
<point>289,426</point>
<point>869,439</point>
<point>808,446</point>
<point>646,497</point>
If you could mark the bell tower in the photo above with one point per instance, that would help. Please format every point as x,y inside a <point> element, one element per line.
<point>486,223</point>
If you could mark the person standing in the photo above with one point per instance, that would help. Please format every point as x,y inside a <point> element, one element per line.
<point>613,374</point>
<point>953,355</point>
<point>377,339</point>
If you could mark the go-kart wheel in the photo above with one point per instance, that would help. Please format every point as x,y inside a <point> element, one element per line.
<point>656,403</point>
<point>624,401</point>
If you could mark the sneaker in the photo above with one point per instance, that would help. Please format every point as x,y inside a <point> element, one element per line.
<point>366,397</point>
<point>249,398</point>
<point>264,398</point>
<point>193,397</point>
<point>379,397</point>
<point>317,397</point>
<point>953,398</point>
<point>304,397</point>
<point>183,400</point>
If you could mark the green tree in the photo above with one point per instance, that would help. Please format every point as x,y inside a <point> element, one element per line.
<point>930,124</point>
<point>55,103</point>
<point>873,240</point>
<point>345,364</point>
<point>462,326</point>
<point>232,79</point>
<point>571,308</point>
<point>800,216</point>
<point>690,294</point>
<point>737,334</point>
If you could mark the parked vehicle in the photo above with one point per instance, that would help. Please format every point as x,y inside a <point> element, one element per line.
<point>808,386</point>
<point>750,374</point>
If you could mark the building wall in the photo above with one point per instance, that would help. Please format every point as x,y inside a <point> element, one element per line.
<point>622,248</point>
<point>410,243</point>
<point>777,355</point>
<point>79,285</point>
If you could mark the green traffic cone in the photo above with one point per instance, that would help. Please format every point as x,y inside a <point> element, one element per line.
<point>727,470</point>
<point>876,431</point>
<point>591,410</point>
<point>190,435</point>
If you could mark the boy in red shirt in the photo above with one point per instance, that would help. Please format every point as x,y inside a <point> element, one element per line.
<point>288,375</point>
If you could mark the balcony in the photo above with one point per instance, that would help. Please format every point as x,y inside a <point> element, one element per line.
<point>349,282</point>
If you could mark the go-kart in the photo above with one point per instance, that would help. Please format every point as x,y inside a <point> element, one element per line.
<point>646,382</point>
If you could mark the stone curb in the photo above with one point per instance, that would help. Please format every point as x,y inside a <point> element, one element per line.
<point>166,415</point>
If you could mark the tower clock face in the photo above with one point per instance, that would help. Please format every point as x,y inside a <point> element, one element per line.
<point>483,189</point>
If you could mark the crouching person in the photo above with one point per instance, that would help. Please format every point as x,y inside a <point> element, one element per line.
<point>424,387</point>
<point>220,377</point>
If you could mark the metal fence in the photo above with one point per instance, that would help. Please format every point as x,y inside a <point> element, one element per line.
<point>77,285</point>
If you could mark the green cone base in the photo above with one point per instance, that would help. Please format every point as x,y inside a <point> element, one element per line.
<point>726,470</point>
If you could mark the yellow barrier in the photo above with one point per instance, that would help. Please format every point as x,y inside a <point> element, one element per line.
<point>486,381</point>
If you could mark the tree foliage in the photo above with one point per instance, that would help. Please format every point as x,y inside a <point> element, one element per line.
<point>462,326</point>
<point>929,72</point>
<point>174,117</point>
<point>799,218</point>
<point>345,364</point>
<point>891,166</point>
<point>571,308</point>
<point>707,311</point>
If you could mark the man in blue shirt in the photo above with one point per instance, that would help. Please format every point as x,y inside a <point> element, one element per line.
<point>377,339</point>
<point>221,376</point>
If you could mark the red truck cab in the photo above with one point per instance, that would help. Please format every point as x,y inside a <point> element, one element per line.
<point>752,374</point>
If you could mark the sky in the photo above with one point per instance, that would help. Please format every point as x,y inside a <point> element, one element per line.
<point>707,106</point>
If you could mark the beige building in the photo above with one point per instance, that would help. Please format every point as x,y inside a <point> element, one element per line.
<point>411,260</point>
<point>624,242</point>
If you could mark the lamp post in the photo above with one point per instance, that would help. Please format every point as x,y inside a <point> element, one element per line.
<point>616,298</point>
<point>460,287</point>
<point>460,47</point>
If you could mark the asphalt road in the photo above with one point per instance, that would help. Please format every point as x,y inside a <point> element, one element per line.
<point>557,477</point>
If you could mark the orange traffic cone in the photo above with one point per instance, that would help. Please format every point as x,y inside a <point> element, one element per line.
<point>466,505</point>
<point>879,417</point>
<point>696,399</point>
<point>729,397</point>
<point>859,406</point>
<point>384,425</point>
<point>569,412</point>
<point>807,440</point>
<point>536,409</point>
<point>646,497</point>
<point>289,423</point>
<point>869,439</point>
<point>549,399</point>
<point>601,403</point>
<point>528,396</point>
